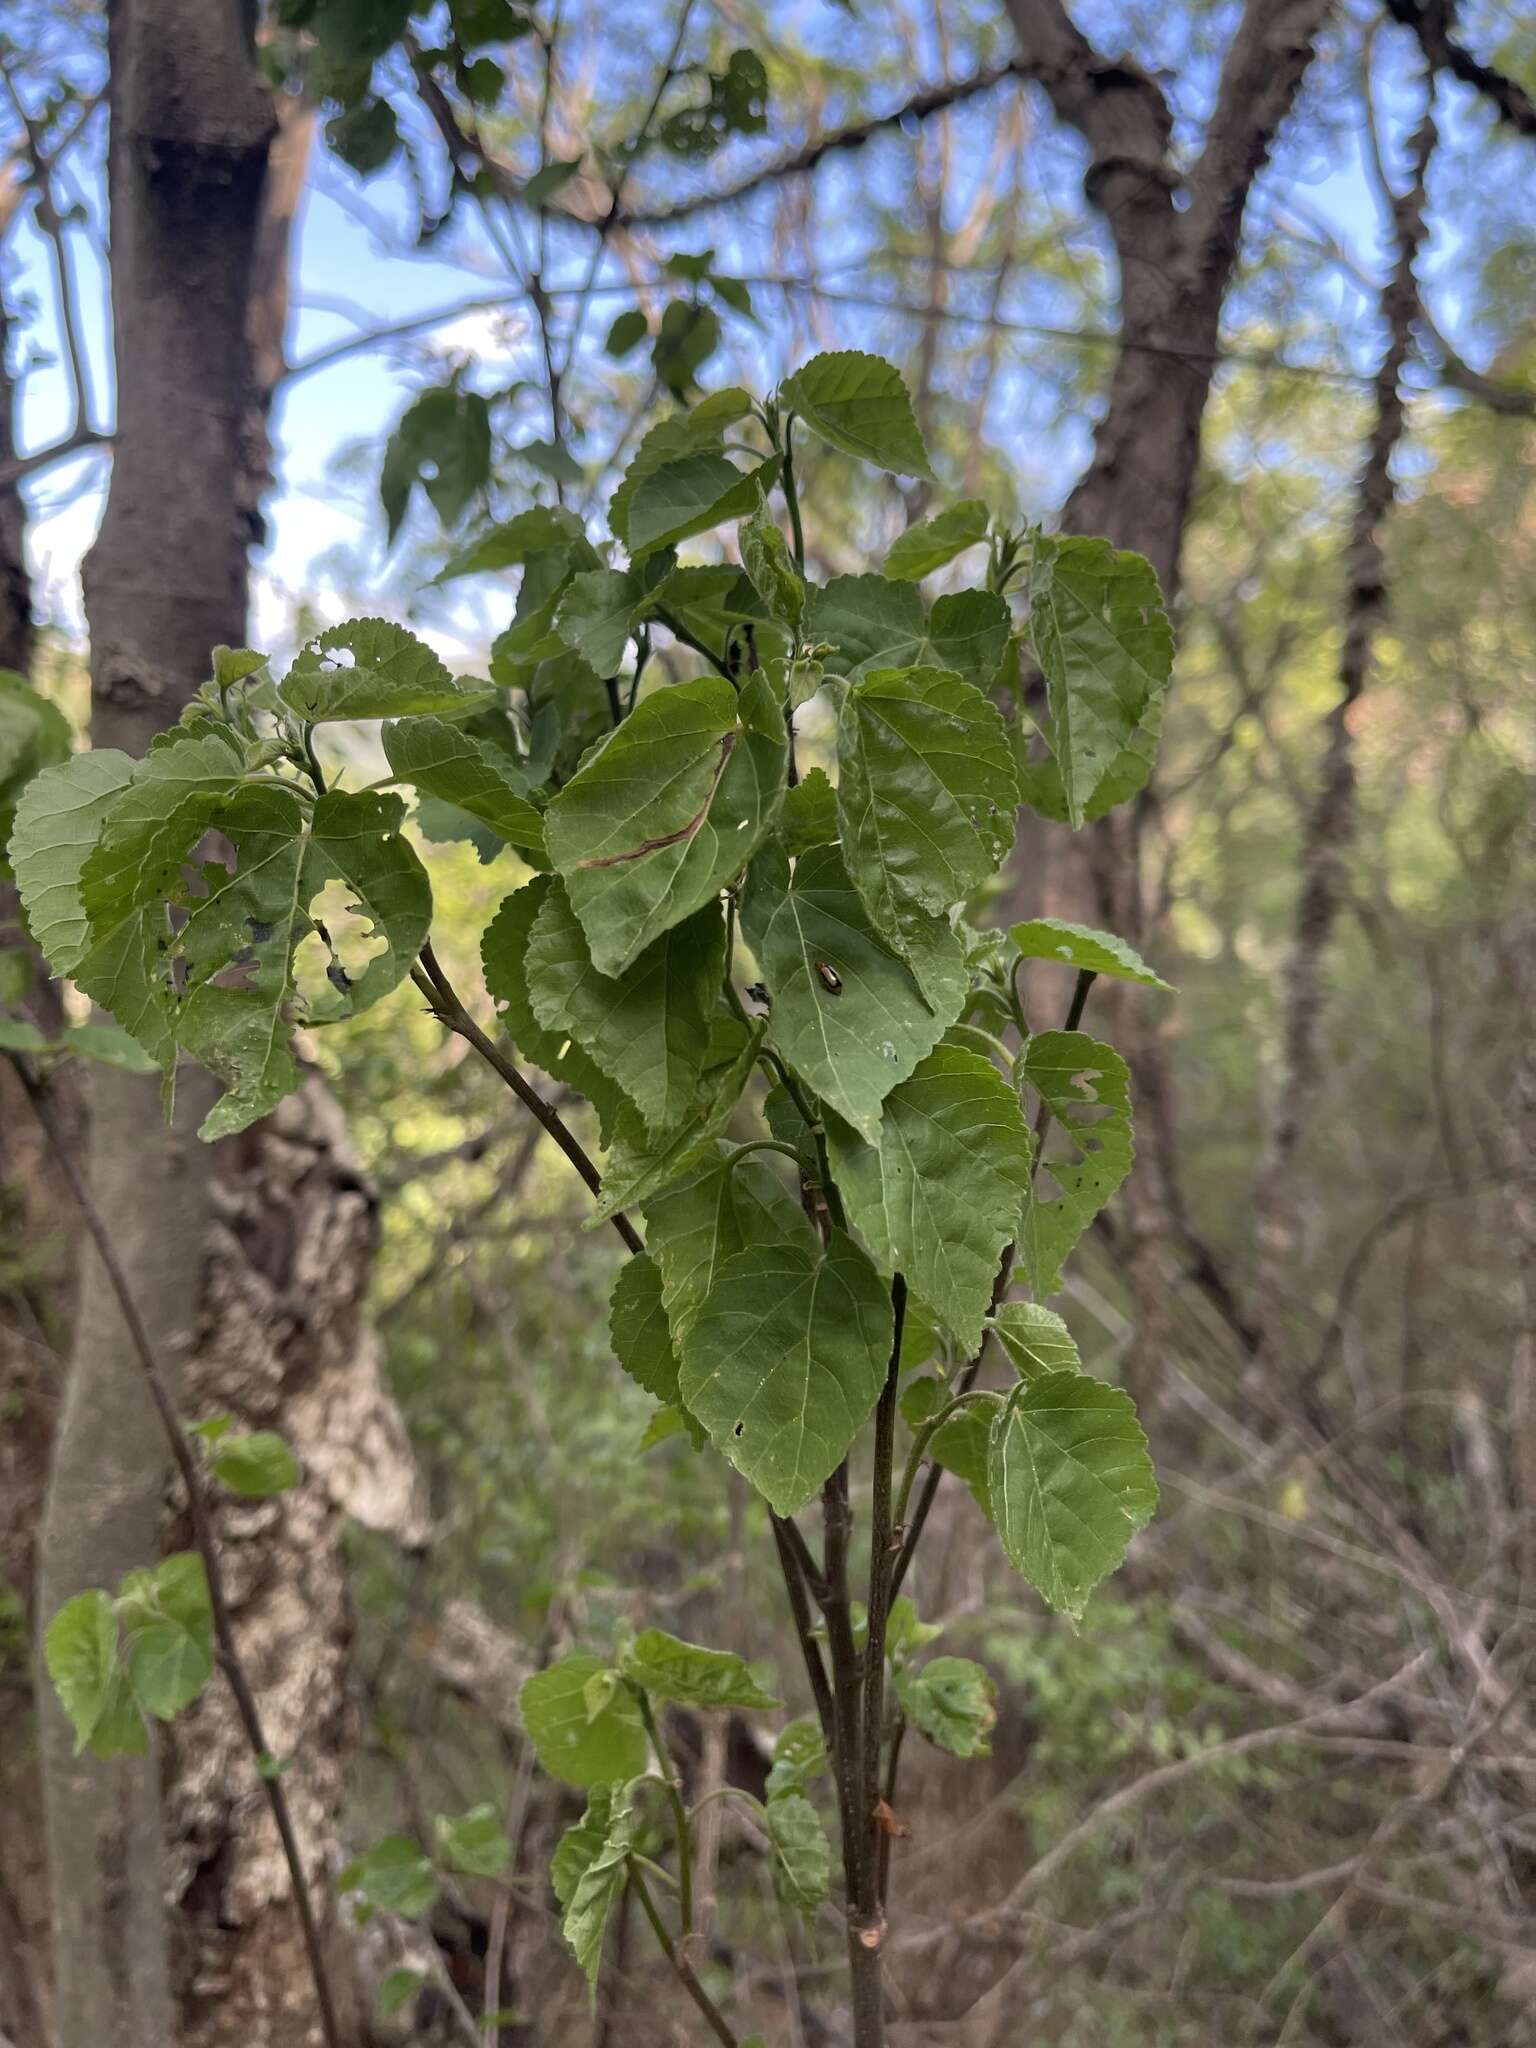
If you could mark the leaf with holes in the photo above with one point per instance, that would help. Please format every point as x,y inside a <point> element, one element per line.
<point>785,1360</point>
<point>940,1193</point>
<point>1080,946</point>
<point>590,1870</point>
<point>391,674</point>
<point>953,1702</point>
<point>1088,1150</point>
<point>1070,1482</point>
<point>666,811</point>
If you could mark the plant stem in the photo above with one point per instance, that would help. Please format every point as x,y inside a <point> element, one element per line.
<point>680,1964</point>
<point>680,632</point>
<point>669,1774</point>
<point>207,1547</point>
<point>791,495</point>
<point>800,1609</point>
<point>849,1679</point>
<point>884,1546</point>
<point>445,1005</point>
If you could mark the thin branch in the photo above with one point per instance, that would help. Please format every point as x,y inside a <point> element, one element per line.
<point>1430,21</point>
<point>203,1536</point>
<point>932,100</point>
<point>447,1008</point>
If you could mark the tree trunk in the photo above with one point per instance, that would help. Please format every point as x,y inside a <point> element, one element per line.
<point>164,582</point>
<point>1176,236</point>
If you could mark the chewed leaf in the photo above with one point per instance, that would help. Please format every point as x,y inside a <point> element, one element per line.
<point>1088,1149</point>
<point>1080,946</point>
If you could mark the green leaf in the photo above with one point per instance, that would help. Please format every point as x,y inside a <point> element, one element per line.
<point>810,813</point>
<point>574,1746</point>
<point>692,495</point>
<point>474,1842</point>
<point>799,1757</point>
<point>802,1855</point>
<point>504,959</point>
<point>860,404</point>
<point>175,793</point>
<point>667,1423</point>
<point>693,1228</point>
<point>629,328</point>
<point>1036,1339</point>
<point>962,1446</point>
<point>872,623</point>
<point>941,1193</point>
<point>953,1702</point>
<point>391,675</point>
<point>590,1870</point>
<point>538,530</point>
<point>107,1045</point>
<point>905,1632</point>
<point>849,1014</point>
<point>257,1465</point>
<point>1088,1152</point>
<point>927,792</point>
<point>688,336</point>
<point>932,543</point>
<point>80,1649</point>
<point>444,761</point>
<point>640,1166</point>
<point>443,442</point>
<point>770,567</point>
<point>1102,639</point>
<point>397,1989</point>
<point>17,1035</point>
<point>666,810</point>
<point>648,1028</point>
<point>170,1635</point>
<point>785,1361</point>
<point>253,919</point>
<point>683,433</point>
<point>595,614</point>
<point>690,1675</point>
<point>642,1337</point>
<point>1080,946</point>
<point>394,1876</point>
<point>1071,1483</point>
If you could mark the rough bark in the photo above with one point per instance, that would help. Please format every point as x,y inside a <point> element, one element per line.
<point>1176,236</point>
<point>283,1343</point>
<point>164,582</point>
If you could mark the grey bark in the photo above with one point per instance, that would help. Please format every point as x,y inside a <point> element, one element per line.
<point>164,582</point>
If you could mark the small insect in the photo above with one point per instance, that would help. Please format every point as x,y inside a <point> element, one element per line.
<point>829,977</point>
<point>758,994</point>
